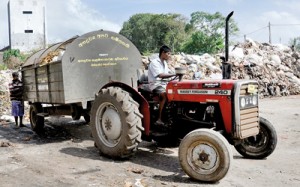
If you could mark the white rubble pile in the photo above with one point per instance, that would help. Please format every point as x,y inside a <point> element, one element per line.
<point>5,78</point>
<point>275,67</point>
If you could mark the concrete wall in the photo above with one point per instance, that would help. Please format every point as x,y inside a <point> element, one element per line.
<point>27,24</point>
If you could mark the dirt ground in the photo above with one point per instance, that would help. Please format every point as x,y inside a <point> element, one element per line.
<point>66,156</point>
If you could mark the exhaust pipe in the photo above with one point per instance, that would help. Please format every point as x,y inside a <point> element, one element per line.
<point>226,68</point>
<point>227,35</point>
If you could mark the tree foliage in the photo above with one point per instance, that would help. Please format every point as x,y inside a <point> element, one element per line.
<point>204,33</point>
<point>13,58</point>
<point>13,53</point>
<point>149,31</point>
<point>207,33</point>
<point>200,43</point>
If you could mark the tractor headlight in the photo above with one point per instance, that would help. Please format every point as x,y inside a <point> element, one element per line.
<point>248,101</point>
<point>243,102</point>
<point>254,100</point>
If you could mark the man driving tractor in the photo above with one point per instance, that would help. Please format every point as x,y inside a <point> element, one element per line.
<point>157,71</point>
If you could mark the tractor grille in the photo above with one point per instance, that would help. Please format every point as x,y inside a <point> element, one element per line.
<point>249,115</point>
<point>249,125</point>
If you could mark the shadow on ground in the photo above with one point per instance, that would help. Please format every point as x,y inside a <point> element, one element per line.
<point>55,130</point>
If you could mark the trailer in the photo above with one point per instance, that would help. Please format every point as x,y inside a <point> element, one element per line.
<point>64,78</point>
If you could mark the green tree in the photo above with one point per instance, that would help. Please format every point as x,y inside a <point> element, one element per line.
<point>136,30</point>
<point>199,43</point>
<point>207,33</point>
<point>149,31</point>
<point>13,52</point>
<point>13,58</point>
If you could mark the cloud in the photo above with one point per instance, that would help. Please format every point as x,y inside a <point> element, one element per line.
<point>283,27</point>
<point>73,17</point>
<point>279,17</point>
<point>292,5</point>
<point>234,1</point>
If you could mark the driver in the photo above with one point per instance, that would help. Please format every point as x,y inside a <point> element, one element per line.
<point>157,71</point>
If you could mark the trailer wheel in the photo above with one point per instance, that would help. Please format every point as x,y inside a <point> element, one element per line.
<point>76,112</point>
<point>205,155</point>
<point>37,122</point>
<point>87,118</point>
<point>116,123</point>
<point>261,145</point>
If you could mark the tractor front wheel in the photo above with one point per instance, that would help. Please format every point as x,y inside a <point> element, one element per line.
<point>261,145</point>
<point>205,155</point>
<point>116,123</point>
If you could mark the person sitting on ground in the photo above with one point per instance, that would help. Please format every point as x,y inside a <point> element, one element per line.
<point>16,97</point>
<point>157,71</point>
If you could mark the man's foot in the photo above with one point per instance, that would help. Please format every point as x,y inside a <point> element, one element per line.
<point>21,125</point>
<point>160,126</point>
<point>159,122</point>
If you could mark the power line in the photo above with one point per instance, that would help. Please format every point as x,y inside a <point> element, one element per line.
<point>269,26</point>
<point>297,24</point>
<point>256,30</point>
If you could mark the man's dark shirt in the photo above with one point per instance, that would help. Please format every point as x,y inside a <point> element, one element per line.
<point>16,90</point>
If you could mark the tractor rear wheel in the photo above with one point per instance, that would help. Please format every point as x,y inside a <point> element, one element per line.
<point>116,123</point>
<point>205,155</point>
<point>261,145</point>
<point>37,122</point>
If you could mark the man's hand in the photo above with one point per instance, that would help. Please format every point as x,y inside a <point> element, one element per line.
<point>166,75</point>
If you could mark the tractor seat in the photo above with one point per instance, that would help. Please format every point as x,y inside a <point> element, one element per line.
<point>143,79</point>
<point>143,83</point>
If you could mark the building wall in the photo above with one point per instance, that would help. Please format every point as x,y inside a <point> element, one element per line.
<point>27,30</point>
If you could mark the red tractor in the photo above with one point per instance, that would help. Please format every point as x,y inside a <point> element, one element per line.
<point>206,115</point>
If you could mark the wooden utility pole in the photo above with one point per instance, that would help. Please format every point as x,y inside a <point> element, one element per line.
<point>270,41</point>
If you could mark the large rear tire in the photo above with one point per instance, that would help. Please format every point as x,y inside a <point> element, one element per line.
<point>205,155</point>
<point>116,123</point>
<point>261,145</point>
<point>37,122</point>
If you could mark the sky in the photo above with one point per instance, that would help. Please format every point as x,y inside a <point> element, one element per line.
<point>67,18</point>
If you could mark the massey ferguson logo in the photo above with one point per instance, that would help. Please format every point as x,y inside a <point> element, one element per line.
<point>222,92</point>
<point>203,92</point>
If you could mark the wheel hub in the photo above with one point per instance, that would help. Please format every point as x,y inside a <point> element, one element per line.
<point>204,157</point>
<point>111,124</point>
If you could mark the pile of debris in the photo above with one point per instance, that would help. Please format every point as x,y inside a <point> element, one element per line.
<point>5,78</point>
<point>275,67</point>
